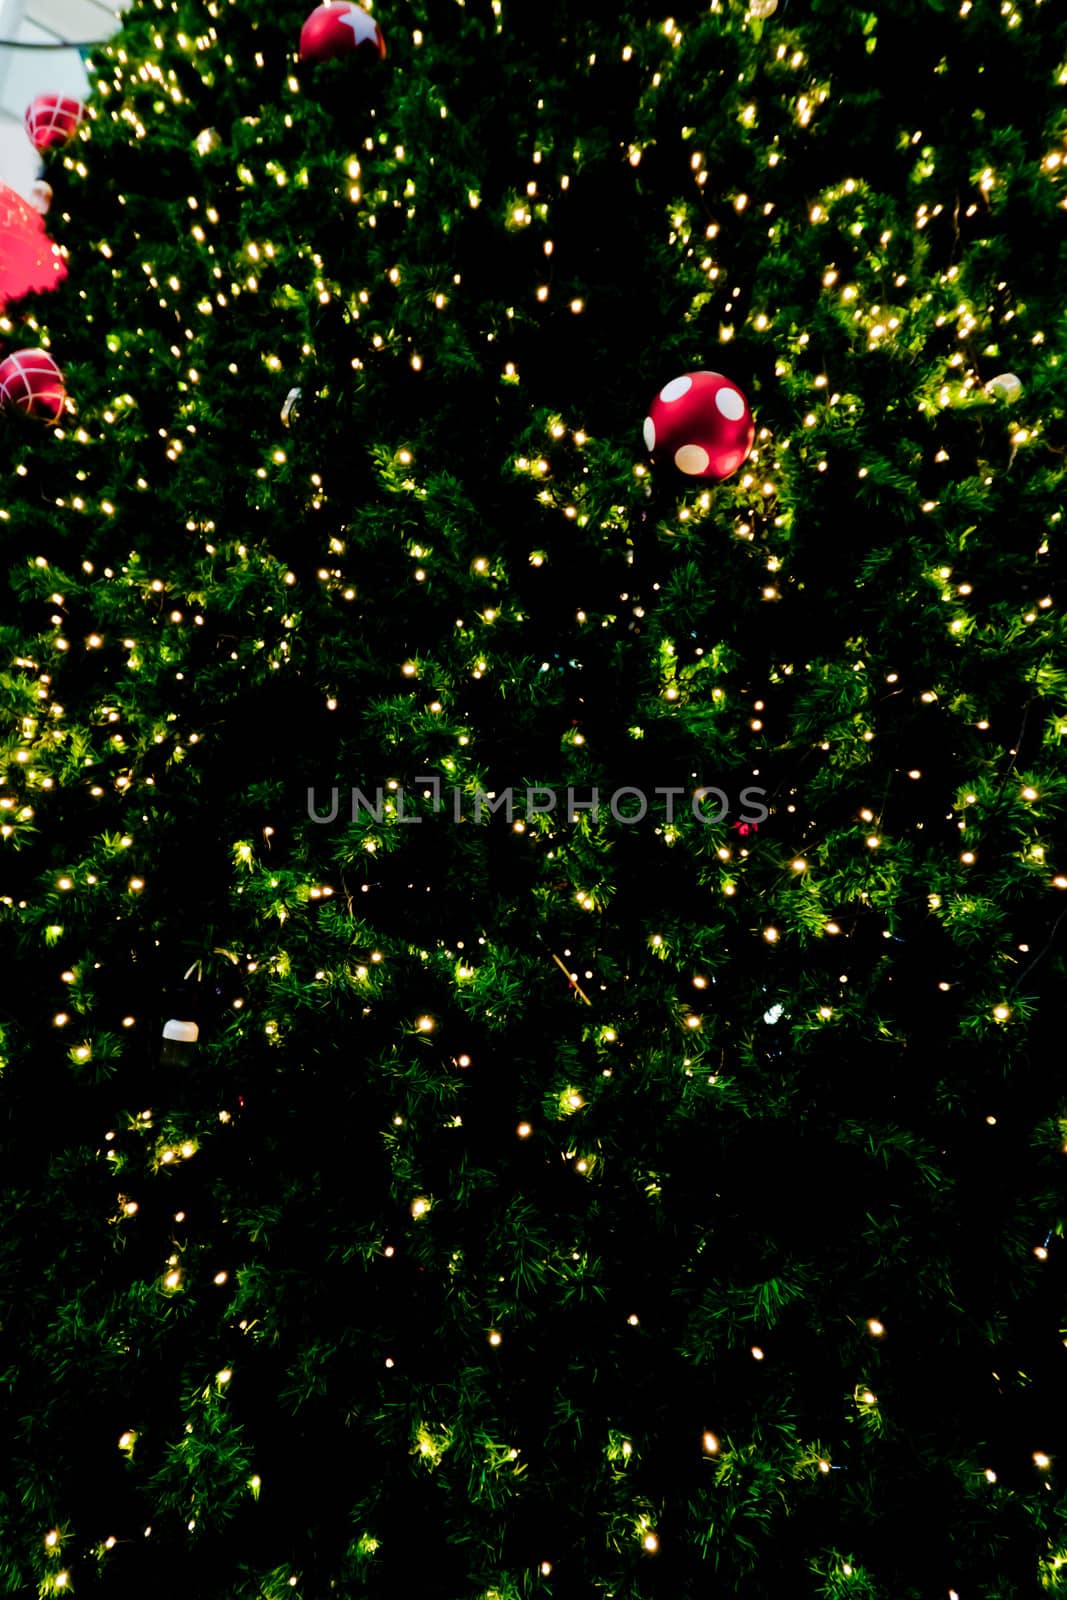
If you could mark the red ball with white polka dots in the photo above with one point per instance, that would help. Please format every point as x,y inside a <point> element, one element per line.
<point>334,30</point>
<point>31,382</point>
<point>702,422</point>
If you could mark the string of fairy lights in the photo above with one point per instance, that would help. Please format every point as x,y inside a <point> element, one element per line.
<point>878,304</point>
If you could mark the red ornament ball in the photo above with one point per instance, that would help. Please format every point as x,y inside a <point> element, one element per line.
<point>31,382</point>
<point>53,120</point>
<point>703,422</point>
<point>29,262</point>
<point>335,30</point>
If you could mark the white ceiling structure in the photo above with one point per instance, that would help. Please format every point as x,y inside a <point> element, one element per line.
<point>26,72</point>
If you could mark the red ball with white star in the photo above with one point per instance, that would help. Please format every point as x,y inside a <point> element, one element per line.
<point>31,382</point>
<point>702,422</point>
<point>335,30</point>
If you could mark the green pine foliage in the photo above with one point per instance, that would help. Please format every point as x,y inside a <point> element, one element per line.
<point>553,1206</point>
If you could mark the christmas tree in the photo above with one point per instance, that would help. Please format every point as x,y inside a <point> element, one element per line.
<point>605,901</point>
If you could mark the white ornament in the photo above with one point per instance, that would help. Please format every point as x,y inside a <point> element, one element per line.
<point>763,8</point>
<point>773,1014</point>
<point>41,196</point>
<point>179,1043</point>
<point>208,140</point>
<point>292,402</point>
<point>1005,386</point>
<point>182,1032</point>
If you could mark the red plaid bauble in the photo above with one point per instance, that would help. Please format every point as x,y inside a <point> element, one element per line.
<point>52,120</point>
<point>31,382</point>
